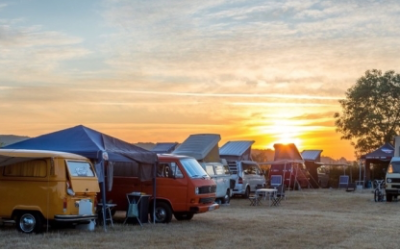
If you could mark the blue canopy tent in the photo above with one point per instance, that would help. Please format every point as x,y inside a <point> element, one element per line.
<point>98,147</point>
<point>382,155</point>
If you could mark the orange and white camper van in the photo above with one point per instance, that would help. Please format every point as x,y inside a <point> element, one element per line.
<point>38,186</point>
<point>183,189</point>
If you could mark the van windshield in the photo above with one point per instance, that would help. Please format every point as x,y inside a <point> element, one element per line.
<point>193,168</point>
<point>80,168</point>
<point>394,168</point>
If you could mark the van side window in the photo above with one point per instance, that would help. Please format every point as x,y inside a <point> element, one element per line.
<point>176,171</point>
<point>226,169</point>
<point>169,170</point>
<point>210,170</point>
<point>219,170</point>
<point>34,168</point>
<point>80,168</point>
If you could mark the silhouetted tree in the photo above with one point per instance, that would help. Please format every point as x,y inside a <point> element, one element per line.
<point>371,111</point>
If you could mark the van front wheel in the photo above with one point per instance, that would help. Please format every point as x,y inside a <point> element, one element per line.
<point>29,222</point>
<point>163,213</point>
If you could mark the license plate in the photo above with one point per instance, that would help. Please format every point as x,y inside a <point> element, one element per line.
<point>211,208</point>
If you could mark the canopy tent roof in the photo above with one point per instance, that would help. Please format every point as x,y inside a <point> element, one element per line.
<point>384,153</point>
<point>91,144</point>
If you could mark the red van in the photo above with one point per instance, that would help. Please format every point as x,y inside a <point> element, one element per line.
<point>183,189</point>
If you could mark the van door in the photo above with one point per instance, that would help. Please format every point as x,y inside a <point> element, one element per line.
<point>82,177</point>
<point>172,185</point>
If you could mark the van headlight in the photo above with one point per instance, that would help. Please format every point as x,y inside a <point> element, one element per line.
<point>196,190</point>
<point>388,180</point>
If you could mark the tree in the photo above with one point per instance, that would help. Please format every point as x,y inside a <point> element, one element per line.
<point>371,111</point>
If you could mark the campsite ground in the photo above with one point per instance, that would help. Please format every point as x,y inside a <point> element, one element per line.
<point>324,218</point>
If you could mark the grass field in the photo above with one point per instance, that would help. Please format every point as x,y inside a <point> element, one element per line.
<point>321,218</point>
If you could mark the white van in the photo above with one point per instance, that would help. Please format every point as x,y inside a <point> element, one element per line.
<point>221,175</point>
<point>246,173</point>
<point>248,177</point>
<point>392,179</point>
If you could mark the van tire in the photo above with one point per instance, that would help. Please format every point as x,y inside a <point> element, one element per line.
<point>247,193</point>
<point>29,222</point>
<point>183,215</point>
<point>163,213</point>
<point>389,197</point>
<point>227,197</point>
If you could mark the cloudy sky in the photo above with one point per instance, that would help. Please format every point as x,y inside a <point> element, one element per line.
<point>157,71</point>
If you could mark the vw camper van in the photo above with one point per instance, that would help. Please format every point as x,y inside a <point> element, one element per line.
<point>246,173</point>
<point>183,189</point>
<point>38,186</point>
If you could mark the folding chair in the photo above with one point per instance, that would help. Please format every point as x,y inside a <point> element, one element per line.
<point>279,195</point>
<point>133,208</point>
<point>255,200</point>
<point>276,180</point>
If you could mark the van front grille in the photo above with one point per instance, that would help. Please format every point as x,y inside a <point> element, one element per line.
<point>207,200</point>
<point>395,180</point>
<point>207,189</point>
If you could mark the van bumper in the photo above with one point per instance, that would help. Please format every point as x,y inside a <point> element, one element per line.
<point>392,191</point>
<point>75,218</point>
<point>203,209</point>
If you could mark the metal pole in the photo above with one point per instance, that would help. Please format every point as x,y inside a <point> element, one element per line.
<point>103,186</point>
<point>154,191</point>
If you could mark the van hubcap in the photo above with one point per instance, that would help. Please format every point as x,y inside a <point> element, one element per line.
<point>27,223</point>
<point>160,214</point>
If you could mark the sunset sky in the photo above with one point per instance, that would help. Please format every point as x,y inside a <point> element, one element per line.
<point>157,71</point>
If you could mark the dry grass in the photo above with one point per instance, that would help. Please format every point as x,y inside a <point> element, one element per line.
<point>306,219</point>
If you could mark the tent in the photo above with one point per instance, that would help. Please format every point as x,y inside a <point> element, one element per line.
<point>98,147</point>
<point>381,155</point>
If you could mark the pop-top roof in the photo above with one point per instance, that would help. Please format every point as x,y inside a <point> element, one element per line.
<point>311,155</point>
<point>198,146</point>
<point>235,148</point>
<point>164,147</point>
<point>286,152</point>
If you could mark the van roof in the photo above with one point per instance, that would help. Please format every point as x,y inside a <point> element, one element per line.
<point>198,146</point>
<point>235,148</point>
<point>11,156</point>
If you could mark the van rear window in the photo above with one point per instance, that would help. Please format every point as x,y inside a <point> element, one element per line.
<point>80,168</point>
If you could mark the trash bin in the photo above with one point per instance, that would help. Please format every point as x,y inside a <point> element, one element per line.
<point>369,184</point>
<point>142,202</point>
<point>144,208</point>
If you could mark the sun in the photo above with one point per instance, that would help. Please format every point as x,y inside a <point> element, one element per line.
<point>285,131</point>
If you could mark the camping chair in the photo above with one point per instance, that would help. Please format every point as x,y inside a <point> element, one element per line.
<point>133,209</point>
<point>276,181</point>
<point>279,195</point>
<point>255,199</point>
